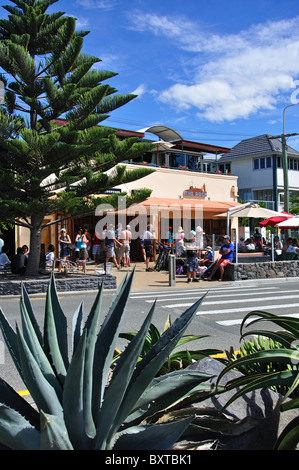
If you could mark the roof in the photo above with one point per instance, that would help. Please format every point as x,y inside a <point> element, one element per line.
<point>163,132</point>
<point>262,145</point>
<point>200,147</point>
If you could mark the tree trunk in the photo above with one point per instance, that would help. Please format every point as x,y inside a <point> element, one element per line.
<point>35,245</point>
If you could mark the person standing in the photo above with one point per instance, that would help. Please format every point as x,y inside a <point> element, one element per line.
<point>192,253</point>
<point>111,242</point>
<point>148,239</point>
<point>179,238</point>
<point>81,241</point>
<point>227,256</point>
<point>64,244</point>
<point>96,247</point>
<point>125,238</point>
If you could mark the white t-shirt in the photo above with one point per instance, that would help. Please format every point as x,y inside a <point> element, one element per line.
<point>4,260</point>
<point>49,259</point>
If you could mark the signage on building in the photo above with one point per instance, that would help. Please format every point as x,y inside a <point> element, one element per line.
<point>195,193</point>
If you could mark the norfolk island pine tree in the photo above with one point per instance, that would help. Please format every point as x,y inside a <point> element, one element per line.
<point>54,155</point>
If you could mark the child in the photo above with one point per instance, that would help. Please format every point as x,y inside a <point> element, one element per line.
<point>50,257</point>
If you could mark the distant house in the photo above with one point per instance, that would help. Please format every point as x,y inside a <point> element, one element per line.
<point>258,164</point>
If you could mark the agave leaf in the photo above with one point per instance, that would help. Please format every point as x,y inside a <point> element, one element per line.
<point>110,418</point>
<point>151,363</point>
<point>148,367</point>
<point>153,437</point>
<point>12,399</point>
<point>289,437</point>
<point>16,432</point>
<point>73,397</point>
<point>55,332</point>
<point>26,303</point>
<point>157,398</point>
<point>41,390</point>
<point>91,328</point>
<point>53,435</point>
<point>11,341</point>
<point>37,351</point>
<point>106,341</point>
<point>77,327</point>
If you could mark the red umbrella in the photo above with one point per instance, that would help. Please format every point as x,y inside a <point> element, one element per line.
<point>272,221</point>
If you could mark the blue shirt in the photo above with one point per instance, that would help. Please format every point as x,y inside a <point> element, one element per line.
<point>230,255</point>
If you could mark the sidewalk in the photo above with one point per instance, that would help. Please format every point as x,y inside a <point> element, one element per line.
<point>153,280</point>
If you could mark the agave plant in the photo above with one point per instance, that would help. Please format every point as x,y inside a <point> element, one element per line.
<point>79,403</point>
<point>177,360</point>
<point>278,367</point>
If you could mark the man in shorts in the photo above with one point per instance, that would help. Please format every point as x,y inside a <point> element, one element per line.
<point>227,256</point>
<point>192,253</point>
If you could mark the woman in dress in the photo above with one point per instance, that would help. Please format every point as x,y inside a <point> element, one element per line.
<point>64,243</point>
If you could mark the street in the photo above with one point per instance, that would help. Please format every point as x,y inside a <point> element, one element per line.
<point>219,316</point>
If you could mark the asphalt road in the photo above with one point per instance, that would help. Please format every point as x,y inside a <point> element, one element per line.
<point>219,316</point>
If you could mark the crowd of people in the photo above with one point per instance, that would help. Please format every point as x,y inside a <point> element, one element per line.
<point>113,244</point>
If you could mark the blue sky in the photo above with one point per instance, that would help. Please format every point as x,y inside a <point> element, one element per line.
<point>217,72</point>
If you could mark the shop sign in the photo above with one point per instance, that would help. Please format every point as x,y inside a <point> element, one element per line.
<point>195,193</point>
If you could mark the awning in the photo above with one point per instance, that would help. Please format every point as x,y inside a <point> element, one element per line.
<point>209,208</point>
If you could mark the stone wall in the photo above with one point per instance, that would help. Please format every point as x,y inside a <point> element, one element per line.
<point>263,270</point>
<point>67,284</point>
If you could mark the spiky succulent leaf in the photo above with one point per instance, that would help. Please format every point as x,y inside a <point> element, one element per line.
<point>55,332</point>
<point>73,397</point>
<point>107,339</point>
<point>37,351</point>
<point>148,367</point>
<point>53,434</point>
<point>154,437</point>
<point>14,400</point>
<point>107,424</point>
<point>157,398</point>
<point>16,432</point>
<point>41,390</point>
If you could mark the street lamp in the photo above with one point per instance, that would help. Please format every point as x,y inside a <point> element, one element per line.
<point>285,164</point>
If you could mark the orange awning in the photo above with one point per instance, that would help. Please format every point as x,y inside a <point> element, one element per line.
<point>209,208</point>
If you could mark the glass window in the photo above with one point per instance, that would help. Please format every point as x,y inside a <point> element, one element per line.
<point>262,163</point>
<point>269,162</point>
<point>295,164</point>
<point>256,164</point>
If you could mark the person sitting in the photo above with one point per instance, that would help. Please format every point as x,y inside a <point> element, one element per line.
<point>289,246</point>
<point>241,245</point>
<point>50,257</point>
<point>208,257</point>
<point>4,259</point>
<point>19,262</point>
<point>227,256</point>
<point>250,246</point>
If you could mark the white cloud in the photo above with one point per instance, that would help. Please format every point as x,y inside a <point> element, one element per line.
<point>140,90</point>
<point>230,76</point>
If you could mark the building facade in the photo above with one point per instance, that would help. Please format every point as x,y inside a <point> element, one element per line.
<point>258,164</point>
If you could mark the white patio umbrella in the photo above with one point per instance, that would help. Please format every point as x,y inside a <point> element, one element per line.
<point>253,210</point>
<point>289,223</point>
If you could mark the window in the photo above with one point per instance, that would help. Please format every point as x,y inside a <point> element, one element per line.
<point>262,163</point>
<point>256,164</point>
<point>269,162</point>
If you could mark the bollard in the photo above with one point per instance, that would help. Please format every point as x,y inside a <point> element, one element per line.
<point>171,270</point>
